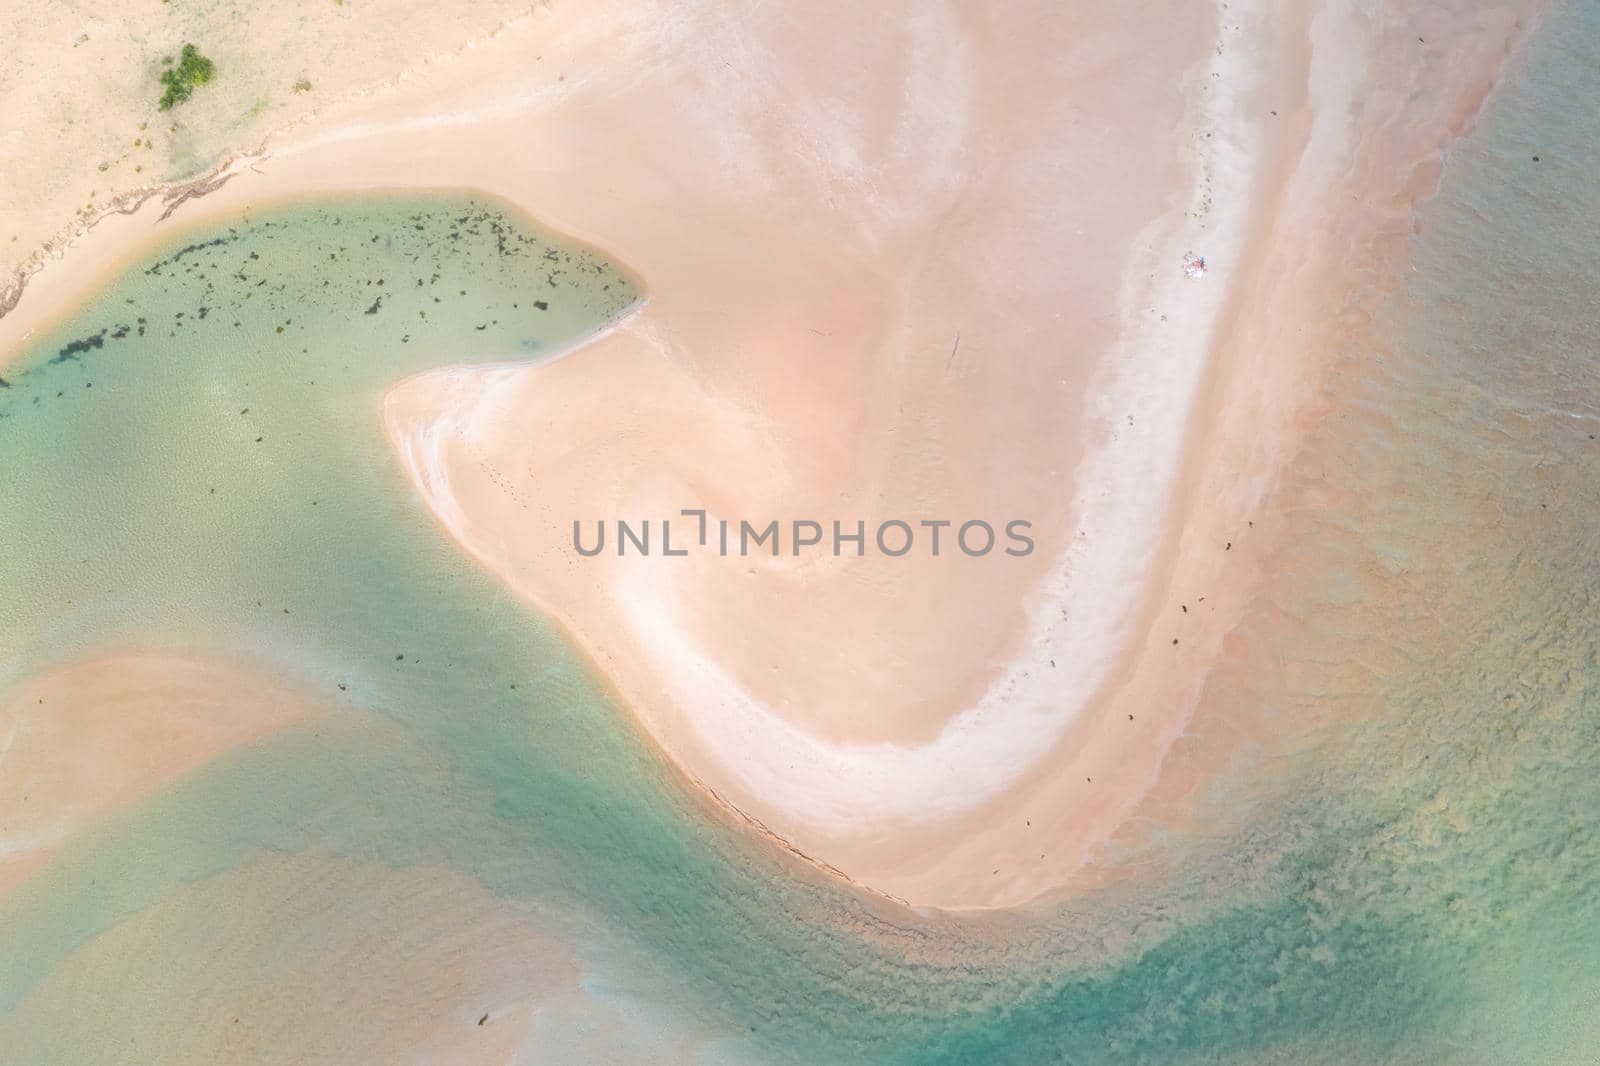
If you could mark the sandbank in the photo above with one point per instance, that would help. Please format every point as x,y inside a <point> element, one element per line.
<point>922,265</point>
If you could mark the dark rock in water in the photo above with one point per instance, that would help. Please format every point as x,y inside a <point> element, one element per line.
<point>4,384</point>
<point>541,305</point>
<point>375,305</point>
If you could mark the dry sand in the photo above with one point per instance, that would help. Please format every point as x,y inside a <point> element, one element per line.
<point>80,132</point>
<point>920,265</point>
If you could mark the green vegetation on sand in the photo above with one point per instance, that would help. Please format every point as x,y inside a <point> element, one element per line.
<point>192,69</point>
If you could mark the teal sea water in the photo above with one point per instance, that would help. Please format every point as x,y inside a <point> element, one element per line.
<point>195,460</point>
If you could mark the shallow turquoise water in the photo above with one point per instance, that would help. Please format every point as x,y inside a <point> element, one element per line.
<point>1425,892</point>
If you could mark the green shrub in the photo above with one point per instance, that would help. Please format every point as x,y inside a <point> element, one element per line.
<point>192,69</point>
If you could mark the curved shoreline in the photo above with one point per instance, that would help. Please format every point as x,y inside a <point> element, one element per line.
<point>983,833</point>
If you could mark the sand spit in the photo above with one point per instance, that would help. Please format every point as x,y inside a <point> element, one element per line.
<point>924,267</point>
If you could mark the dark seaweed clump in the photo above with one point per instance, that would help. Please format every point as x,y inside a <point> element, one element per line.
<point>94,341</point>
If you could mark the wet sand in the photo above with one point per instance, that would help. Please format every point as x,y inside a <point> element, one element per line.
<point>306,932</point>
<point>87,739</point>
